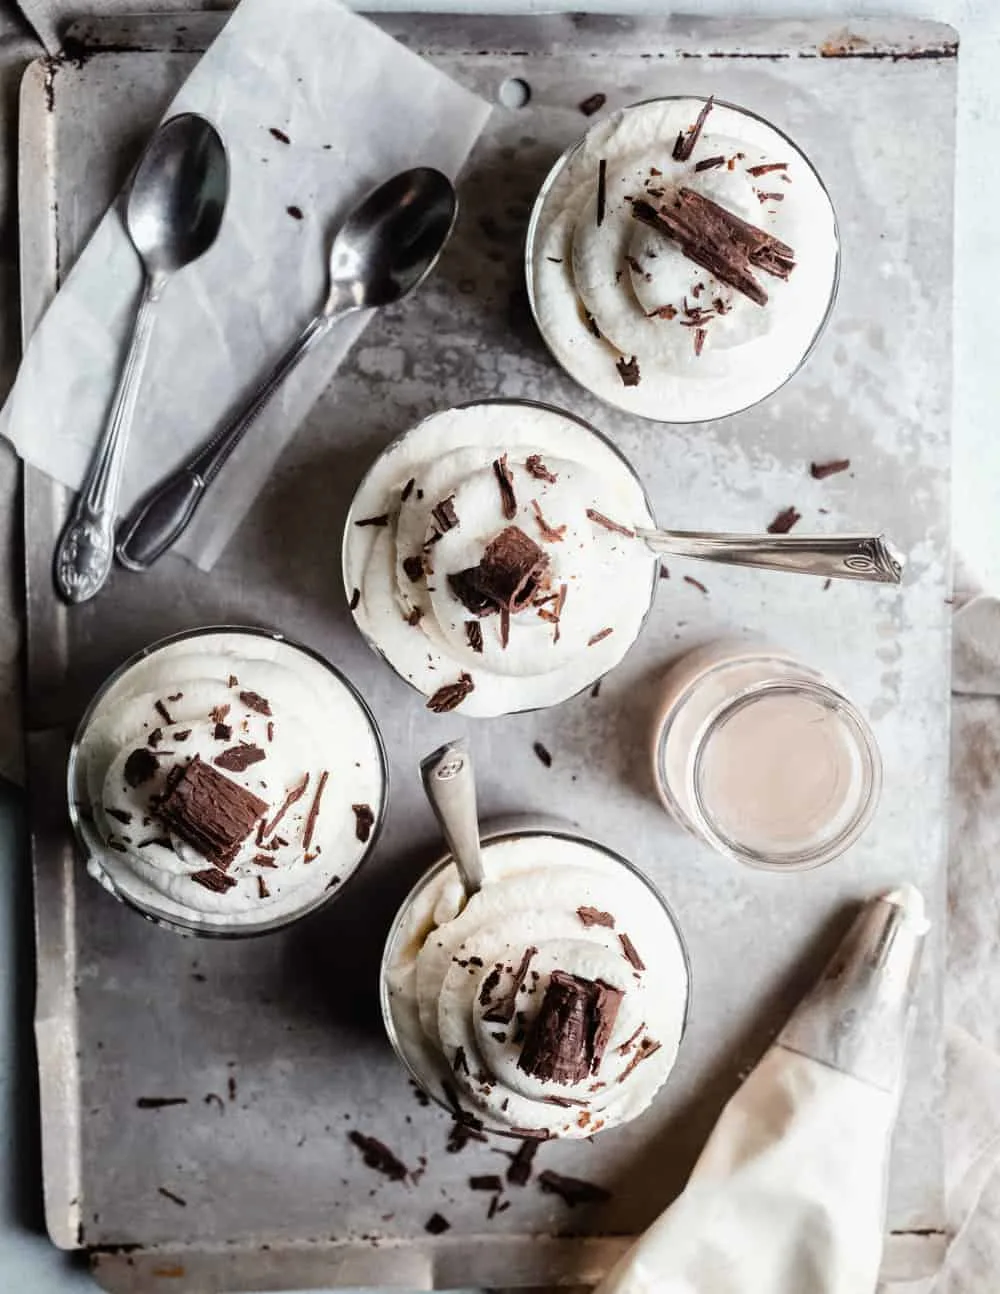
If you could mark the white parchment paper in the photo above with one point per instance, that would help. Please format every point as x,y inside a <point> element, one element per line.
<point>355,107</point>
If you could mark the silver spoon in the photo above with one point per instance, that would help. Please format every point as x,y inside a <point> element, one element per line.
<point>386,247</point>
<point>451,788</point>
<point>837,557</point>
<point>172,215</point>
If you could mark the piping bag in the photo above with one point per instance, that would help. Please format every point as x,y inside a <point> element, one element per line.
<point>789,1194</point>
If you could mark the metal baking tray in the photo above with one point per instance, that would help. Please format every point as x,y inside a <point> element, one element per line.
<point>276,1045</point>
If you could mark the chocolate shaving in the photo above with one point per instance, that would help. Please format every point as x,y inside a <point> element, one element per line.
<point>629,1042</point>
<point>645,1049</point>
<point>486,1182</point>
<point>662,312</point>
<point>223,732</point>
<point>163,841</point>
<point>766,168</point>
<point>314,808</point>
<point>570,1033</point>
<point>381,520</point>
<point>686,140</point>
<point>500,1010</point>
<point>233,681</point>
<point>279,135</point>
<point>414,567</point>
<point>459,1064</point>
<point>593,103</point>
<point>414,616</point>
<point>602,190</point>
<point>543,754</point>
<point>664,571</point>
<point>770,197</point>
<point>164,713</point>
<point>239,758</point>
<point>690,579</point>
<point>263,860</point>
<point>628,370</point>
<point>364,820</point>
<point>474,633</point>
<point>182,735</point>
<point>699,340</point>
<point>564,1102</point>
<point>407,489</point>
<point>437,1224</point>
<point>174,1199</point>
<point>451,695</point>
<point>291,797</point>
<point>572,1190</point>
<point>519,1172</point>
<point>494,1208</point>
<point>591,323</point>
<point>270,730</point>
<point>555,615</point>
<point>636,268</point>
<point>595,917</point>
<point>629,949</point>
<point>719,241</point>
<point>505,480</point>
<point>254,701</point>
<point>599,637</point>
<point>262,891</point>
<point>213,879</point>
<point>536,468</point>
<point>710,163</point>
<point>355,600</point>
<point>155,737</point>
<point>377,1155</point>
<point>551,534</point>
<point>210,812</point>
<point>122,815</point>
<point>140,766</point>
<point>159,1102</point>
<point>820,471</point>
<point>784,521</point>
<point>444,514</point>
<point>504,627</point>
<point>218,713</point>
<point>601,520</point>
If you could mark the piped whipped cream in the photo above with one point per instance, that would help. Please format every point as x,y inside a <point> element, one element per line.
<point>624,307</point>
<point>467,983</point>
<point>227,779</point>
<point>490,555</point>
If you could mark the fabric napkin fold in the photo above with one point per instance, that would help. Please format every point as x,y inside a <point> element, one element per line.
<point>315,106</point>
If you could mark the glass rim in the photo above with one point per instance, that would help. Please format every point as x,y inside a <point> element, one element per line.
<point>490,837</point>
<point>804,859</point>
<point>538,207</point>
<point>515,401</point>
<point>175,923</point>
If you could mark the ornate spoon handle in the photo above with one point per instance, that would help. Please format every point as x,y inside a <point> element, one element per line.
<point>838,557</point>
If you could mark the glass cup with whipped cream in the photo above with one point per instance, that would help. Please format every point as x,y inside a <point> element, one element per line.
<point>762,757</point>
<point>550,1004</point>
<point>226,782</point>
<point>682,259</point>
<point>491,557</point>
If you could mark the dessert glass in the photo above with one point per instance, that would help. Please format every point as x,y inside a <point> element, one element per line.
<point>342,835</point>
<point>763,758</point>
<point>400,621</point>
<point>430,999</point>
<point>695,373</point>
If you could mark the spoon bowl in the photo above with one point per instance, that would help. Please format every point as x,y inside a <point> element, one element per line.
<point>391,241</point>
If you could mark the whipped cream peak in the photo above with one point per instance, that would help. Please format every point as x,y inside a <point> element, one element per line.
<point>513,563</point>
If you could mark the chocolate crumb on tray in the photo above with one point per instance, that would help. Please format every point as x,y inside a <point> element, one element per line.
<point>377,1155</point>
<point>820,471</point>
<point>543,754</point>
<point>519,1171</point>
<point>437,1225</point>
<point>572,1190</point>
<point>784,521</point>
<point>593,103</point>
<point>486,1182</point>
<point>696,584</point>
<point>451,695</point>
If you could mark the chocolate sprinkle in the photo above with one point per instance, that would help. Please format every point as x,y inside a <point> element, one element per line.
<point>140,766</point>
<point>436,1225</point>
<point>505,480</point>
<point>407,489</point>
<point>570,1033</point>
<point>710,163</point>
<point>686,140</point>
<point>542,754</point>
<point>262,891</point>
<point>601,520</point>
<point>628,370</point>
<point>767,168</point>
<point>593,103</point>
<point>313,815</point>
<point>519,1172</point>
<point>474,633</point>
<point>174,1199</point>
<point>820,471</point>
<point>595,917</point>
<point>690,579</point>
<point>602,190</point>
<point>381,520</point>
<point>254,701</point>
<point>699,340</point>
<point>279,135</point>
<point>270,730</point>
<point>377,1155</point>
<point>295,212</point>
<point>364,820</point>
<point>536,468</point>
<point>572,1190</point>
<point>214,880</point>
<point>211,812</point>
<point>239,758</point>
<point>784,521</point>
<point>599,637</point>
<point>451,695</point>
<point>631,954</point>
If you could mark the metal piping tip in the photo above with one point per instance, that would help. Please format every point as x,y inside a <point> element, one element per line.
<point>858,1015</point>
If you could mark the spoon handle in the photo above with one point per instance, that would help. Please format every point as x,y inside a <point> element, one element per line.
<point>158,520</point>
<point>451,788</point>
<point>838,557</point>
<point>85,549</point>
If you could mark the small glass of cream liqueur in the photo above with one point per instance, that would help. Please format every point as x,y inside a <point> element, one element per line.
<point>762,757</point>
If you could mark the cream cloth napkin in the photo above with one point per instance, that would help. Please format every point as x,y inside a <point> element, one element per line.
<point>315,106</point>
